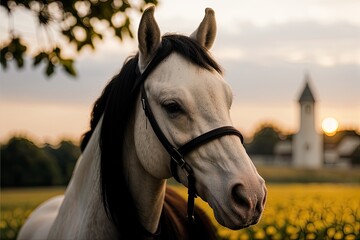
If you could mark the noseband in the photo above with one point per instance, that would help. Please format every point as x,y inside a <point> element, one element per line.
<point>177,154</point>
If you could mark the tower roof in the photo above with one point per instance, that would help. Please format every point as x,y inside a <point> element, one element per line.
<point>306,95</point>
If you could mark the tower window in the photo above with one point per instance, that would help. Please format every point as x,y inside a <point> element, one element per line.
<point>307,146</point>
<point>307,108</point>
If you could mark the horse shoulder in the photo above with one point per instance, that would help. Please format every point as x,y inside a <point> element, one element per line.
<point>175,221</point>
<point>40,220</point>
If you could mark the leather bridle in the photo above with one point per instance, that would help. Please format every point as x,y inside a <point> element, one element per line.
<point>178,154</point>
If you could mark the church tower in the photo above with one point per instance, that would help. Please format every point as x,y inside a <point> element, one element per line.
<point>307,143</point>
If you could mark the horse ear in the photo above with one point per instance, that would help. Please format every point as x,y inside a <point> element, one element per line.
<point>148,36</point>
<point>206,32</point>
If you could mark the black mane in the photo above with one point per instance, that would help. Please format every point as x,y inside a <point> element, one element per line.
<point>116,105</point>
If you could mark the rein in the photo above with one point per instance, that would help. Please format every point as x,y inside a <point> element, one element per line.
<point>177,154</point>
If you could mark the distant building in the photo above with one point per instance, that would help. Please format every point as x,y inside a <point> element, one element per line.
<point>342,150</point>
<point>307,145</point>
<point>309,148</point>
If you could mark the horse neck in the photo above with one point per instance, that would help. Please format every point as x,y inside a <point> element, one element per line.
<point>147,192</point>
<point>82,213</point>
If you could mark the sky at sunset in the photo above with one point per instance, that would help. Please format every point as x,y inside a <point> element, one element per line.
<point>265,47</point>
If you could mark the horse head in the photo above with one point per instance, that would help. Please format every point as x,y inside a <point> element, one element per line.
<point>189,97</point>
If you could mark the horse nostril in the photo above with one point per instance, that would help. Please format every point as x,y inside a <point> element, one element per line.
<point>259,207</point>
<point>264,199</point>
<point>239,197</point>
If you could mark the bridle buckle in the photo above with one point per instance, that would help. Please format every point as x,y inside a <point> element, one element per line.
<point>178,158</point>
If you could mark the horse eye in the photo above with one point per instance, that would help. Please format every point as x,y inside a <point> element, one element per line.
<point>172,108</point>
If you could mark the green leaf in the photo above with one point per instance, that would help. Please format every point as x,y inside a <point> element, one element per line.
<point>50,69</point>
<point>3,52</point>
<point>68,66</point>
<point>18,50</point>
<point>124,6</point>
<point>19,60</point>
<point>44,16</point>
<point>38,58</point>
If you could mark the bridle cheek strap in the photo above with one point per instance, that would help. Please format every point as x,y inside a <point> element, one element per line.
<point>177,154</point>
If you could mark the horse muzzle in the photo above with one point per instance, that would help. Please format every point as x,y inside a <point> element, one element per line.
<point>247,205</point>
<point>241,205</point>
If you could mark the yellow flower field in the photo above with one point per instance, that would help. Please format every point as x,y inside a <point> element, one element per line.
<point>303,211</point>
<point>293,211</point>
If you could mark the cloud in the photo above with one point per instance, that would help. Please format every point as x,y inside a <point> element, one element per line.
<point>308,41</point>
<point>31,84</point>
<point>266,65</point>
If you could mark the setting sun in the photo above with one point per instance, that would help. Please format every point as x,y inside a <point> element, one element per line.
<point>329,126</point>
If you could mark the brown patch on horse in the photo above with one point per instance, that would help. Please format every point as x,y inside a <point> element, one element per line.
<point>174,222</point>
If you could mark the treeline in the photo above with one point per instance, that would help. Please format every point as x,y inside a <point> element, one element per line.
<point>23,163</point>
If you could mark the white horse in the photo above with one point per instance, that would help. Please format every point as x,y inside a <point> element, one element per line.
<point>119,183</point>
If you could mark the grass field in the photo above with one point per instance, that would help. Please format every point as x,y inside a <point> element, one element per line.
<point>277,174</point>
<point>293,211</point>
